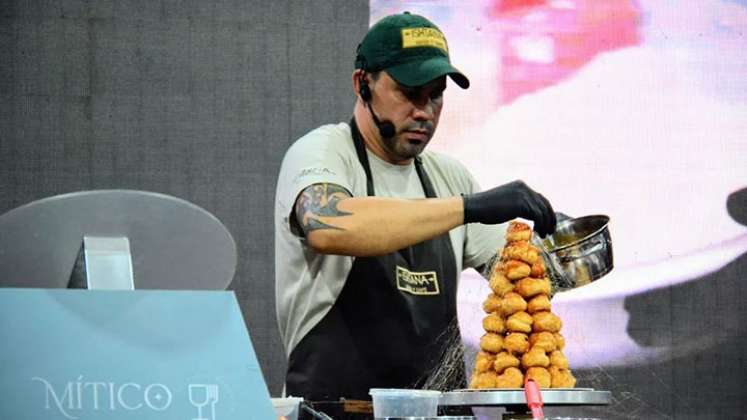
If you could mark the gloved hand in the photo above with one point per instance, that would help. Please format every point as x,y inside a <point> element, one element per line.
<point>507,202</point>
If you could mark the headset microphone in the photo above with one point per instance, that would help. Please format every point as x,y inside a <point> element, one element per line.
<point>386,128</point>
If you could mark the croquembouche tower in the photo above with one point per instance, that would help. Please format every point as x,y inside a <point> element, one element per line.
<point>522,336</point>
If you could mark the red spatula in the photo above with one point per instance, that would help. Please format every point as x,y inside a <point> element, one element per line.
<point>534,398</point>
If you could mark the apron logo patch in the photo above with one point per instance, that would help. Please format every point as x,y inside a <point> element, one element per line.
<point>423,283</point>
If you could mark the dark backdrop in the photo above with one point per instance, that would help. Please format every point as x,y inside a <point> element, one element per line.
<point>196,99</point>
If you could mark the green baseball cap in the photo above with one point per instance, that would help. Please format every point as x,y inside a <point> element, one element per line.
<point>411,49</point>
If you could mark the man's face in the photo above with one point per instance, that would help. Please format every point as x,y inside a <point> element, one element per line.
<point>413,110</point>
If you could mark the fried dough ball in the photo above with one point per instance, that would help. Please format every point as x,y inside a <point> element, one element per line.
<point>518,231</point>
<point>491,342</point>
<point>559,340</point>
<point>512,303</point>
<point>510,378</point>
<point>535,357</point>
<point>500,284</point>
<point>515,269</point>
<point>543,340</point>
<point>561,378</point>
<point>492,303</point>
<point>517,343</point>
<point>538,303</point>
<point>546,321</point>
<point>528,287</point>
<point>505,360</point>
<point>473,380</point>
<point>557,358</point>
<point>493,323</point>
<point>519,322</point>
<point>484,361</point>
<point>538,268</point>
<point>484,380</point>
<point>520,250</point>
<point>540,375</point>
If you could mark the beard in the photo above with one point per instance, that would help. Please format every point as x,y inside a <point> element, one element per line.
<point>401,148</point>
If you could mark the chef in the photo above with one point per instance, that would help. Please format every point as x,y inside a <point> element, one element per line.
<point>372,231</point>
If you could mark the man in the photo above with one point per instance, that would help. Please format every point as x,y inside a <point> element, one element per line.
<point>371,232</point>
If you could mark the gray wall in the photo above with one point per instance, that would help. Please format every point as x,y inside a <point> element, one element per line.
<point>196,99</point>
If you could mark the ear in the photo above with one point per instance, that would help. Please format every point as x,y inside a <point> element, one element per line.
<point>356,79</point>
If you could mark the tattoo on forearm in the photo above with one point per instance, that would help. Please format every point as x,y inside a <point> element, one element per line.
<point>320,200</point>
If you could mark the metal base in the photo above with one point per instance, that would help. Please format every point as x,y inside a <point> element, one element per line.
<point>515,397</point>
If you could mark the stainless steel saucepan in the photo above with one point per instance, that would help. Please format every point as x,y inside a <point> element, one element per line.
<point>579,252</point>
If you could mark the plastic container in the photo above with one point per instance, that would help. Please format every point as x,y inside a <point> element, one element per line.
<point>404,402</point>
<point>286,408</point>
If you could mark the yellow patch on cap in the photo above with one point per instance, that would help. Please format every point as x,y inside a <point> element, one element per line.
<point>423,37</point>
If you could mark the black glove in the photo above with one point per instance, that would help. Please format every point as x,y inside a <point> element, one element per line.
<point>507,202</point>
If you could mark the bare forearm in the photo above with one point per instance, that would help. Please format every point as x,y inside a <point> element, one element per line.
<point>378,225</point>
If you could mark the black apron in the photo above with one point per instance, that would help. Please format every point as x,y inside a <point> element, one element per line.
<point>390,326</point>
